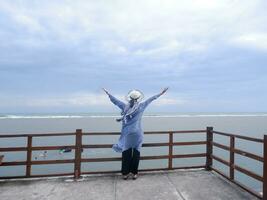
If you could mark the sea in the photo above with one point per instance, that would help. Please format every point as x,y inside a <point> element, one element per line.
<point>248,124</point>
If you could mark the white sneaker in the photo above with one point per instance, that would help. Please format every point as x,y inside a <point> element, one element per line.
<point>134,176</point>
<point>125,177</point>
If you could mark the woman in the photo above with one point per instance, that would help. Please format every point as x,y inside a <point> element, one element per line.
<point>131,137</point>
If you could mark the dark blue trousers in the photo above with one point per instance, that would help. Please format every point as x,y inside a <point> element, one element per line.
<point>130,161</point>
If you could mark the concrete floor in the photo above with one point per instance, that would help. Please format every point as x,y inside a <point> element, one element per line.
<point>178,185</point>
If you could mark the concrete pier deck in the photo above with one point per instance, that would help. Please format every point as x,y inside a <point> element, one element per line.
<point>172,185</point>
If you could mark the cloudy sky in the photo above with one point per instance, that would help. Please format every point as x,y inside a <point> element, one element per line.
<point>57,55</point>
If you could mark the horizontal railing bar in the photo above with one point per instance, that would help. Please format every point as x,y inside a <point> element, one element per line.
<point>146,132</point>
<point>95,146</point>
<point>249,155</point>
<point>238,184</point>
<point>41,162</point>
<point>100,133</point>
<point>147,144</point>
<point>239,136</point>
<point>101,172</point>
<point>38,162</point>
<point>174,168</point>
<point>154,157</point>
<point>189,155</point>
<point>117,133</point>
<point>249,173</point>
<point>36,176</point>
<point>13,135</point>
<point>155,144</point>
<point>146,170</point>
<point>119,158</point>
<point>5,149</point>
<point>12,177</point>
<point>221,146</point>
<point>50,175</point>
<point>140,170</point>
<point>47,162</point>
<point>100,159</point>
<point>94,133</point>
<point>12,163</point>
<point>107,172</point>
<point>220,160</point>
<point>175,132</point>
<point>191,167</point>
<point>241,152</point>
<point>190,131</point>
<point>36,135</point>
<point>37,148</point>
<point>52,134</point>
<point>189,143</point>
<point>144,157</point>
<point>153,169</point>
<point>110,145</point>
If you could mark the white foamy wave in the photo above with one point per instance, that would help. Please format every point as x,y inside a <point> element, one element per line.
<point>210,115</point>
<point>53,116</point>
<point>37,117</point>
<point>115,116</point>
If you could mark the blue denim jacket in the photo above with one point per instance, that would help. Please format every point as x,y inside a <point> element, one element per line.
<point>131,132</point>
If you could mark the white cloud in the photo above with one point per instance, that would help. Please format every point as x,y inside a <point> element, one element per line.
<point>171,46</point>
<point>252,40</point>
<point>78,100</point>
<point>75,100</point>
<point>173,26</point>
<point>113,47</point>
<point>29,22</point>
<point>166,101</point>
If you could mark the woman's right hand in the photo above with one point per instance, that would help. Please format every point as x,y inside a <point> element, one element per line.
<point>164,90</point>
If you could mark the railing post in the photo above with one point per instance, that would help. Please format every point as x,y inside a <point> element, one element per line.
<point>78,150</point>
<point>264,190</point>
<point>232,158</point>
<point>170,150</point>
<point>29,156</point>
<point>209,148</point>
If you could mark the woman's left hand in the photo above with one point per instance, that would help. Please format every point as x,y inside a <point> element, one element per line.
<point>105,91</point>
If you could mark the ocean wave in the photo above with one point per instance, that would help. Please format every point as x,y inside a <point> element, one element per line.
<point>54,116</point>
<point>38,117</point>
<point>113,116</point>
<point>210,115</point>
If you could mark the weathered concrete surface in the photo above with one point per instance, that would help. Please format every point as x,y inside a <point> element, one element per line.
<point>179,185</point>
<point>150,186</point>
<point>207,185</point>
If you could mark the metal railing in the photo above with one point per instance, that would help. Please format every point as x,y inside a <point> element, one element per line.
<point>208,142</point>
<point>231,163</point>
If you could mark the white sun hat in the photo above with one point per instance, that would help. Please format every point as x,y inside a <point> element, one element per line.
<point>135,94</point>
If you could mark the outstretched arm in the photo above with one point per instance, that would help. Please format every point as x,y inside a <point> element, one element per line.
<point>114,100</point>
<point>149,100</point>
